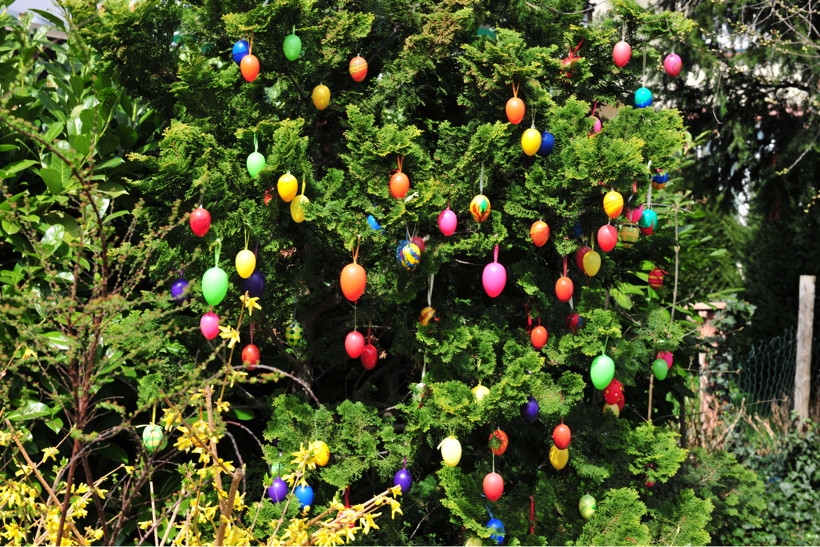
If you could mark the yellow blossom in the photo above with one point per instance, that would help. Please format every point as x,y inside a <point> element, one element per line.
<point>250,303</point>
<point>230,334</point>
<point>13,533</point>
<point>49,452</point>
<point>28,352</point>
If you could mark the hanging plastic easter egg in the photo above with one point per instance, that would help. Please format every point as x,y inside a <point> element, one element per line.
<point>245,263</point>
<point>649,219</point>
<point>250,355</point>
<point>214,285</point>
<point>152,437</point>
<point>253,285</point>
<point>179,291</point>
<point>293,333</point>
<point>493,486</point>
<point>480,208</point>
<point>494,277</point>
<point>531,141</point>
<point>399,247</point>
<point>561,436</point>
<point>559,457</point>
<point>538,337</point>
<point>450,451</point>
<point>497,528</point>
<point>587,506</point>
<point>611,410</point>
<point>666,356</point>
<point>613,392</point>
<point>473,541</point>
<point>547,144</point>
<point>249,67</point>
<point>255,164</point>
<point>621,402</point>
<point>621,53</point>
<point>447,222</point>
<point>358,68</point>
<point>297,208</point>
<point>629,234</point>
<point>404,480</point>
<point>419,243</point>
<point>319,453</point>
<point>613,204</point>
<point>564,289</point>
<point>427,315</point>
<point>292,46</point>
<point>410,256</point>
<point>607,237</point>
<point>634,215</point>
<point>643,98</point>
<point>592,263</point>
<point>515,109</point>
<point>278,490</point>
<point>354,344</point>
<point>672,64</point>
<point>660,369</point>
<point>479,392</point>
<point>304,493</point>
<point>529,410</point>
<point>353,281</point>
<point>602,371</point>
<point>574,322</point>
<point>209,325</point>
<point>539,233</point>
<point>579,257</point>
<point>399,185</point>
<point>369,357</point>
<point>498,442</point>
<point>239,50</point>
<point>659,181</point>
<point>287,186</point>
<point>200,221</point>
<point>321,96</point>
<point>597,125</point>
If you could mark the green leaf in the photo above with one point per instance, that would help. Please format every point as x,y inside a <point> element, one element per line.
<point>57,340</point>
<point>51,18</point>
<point>53,179</point>
<point>113,162</point>
<point>55,425</point>
<point>7,147</point>
<point>53,237</point>
<point>10,170</point>
<point>621,298</point>
<point>115,453</point>
<point>243,413</point>
<point>29,411</point>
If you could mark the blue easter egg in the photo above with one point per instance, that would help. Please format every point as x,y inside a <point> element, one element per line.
<point>496,526</point>
<point>547,144</point>
<point>240,49</point>
<point>643,98</point>
<point>661,178</point>
<point>648,219</point>
<point>305,495</point>
<point>374,224</point>
<point>254,285</point>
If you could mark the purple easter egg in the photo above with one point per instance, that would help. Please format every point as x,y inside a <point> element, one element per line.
<point>179,291</point>
<point>278,490</point>
<point>529,410</point>
<point>254,285</point>
<point>404,479</point>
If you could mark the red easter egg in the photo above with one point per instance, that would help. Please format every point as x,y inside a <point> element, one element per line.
<point>370,356</point>
<point>399,184</point>
<point>621,402</point>
<point>666,356</point>
<point>613,392</point>
<point>656,278</point>
<point>493,486</point>
<point>607,237</point>
<point>515,110</point>
<point>538,337</point>
<point>672,64</point>
<point>561,436</point>
<point>200,221</point>
<point>539,233</point>
<point>358,68</point>
<point>249,67</point>
<point>419,243</point>
<point>250,356</point>
<point>621,53</point>
<point>501,444</point>
<point>579,257</point>
<point>564,289</point>
<point>354,344</point>
<point>353,281</point>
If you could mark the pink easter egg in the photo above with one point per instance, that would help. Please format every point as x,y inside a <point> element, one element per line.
<point>666,356</point>
<point>607,237</point>
<point>494,277</point>
<point>447,222</point>
<point>621,53</point>
<point>672,64</point>
<point>209,325</point>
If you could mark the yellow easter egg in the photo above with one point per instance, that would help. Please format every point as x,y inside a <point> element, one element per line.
<point>297,208</point>
<point>320,453</point>
<point>321,96</point>
<point>480,392</point>
<point>613,204</point>
<point>450,451</point>
<point>611,409</point>
<point>287,187</point>
<point>592,263</point>
<point>558,457</point>
<point>531,141</point>
<point>245,263</point>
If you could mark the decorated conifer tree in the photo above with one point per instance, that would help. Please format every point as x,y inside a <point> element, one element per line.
<point>453,216</point>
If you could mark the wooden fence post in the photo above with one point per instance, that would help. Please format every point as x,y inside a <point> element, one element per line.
<point>802,371</point>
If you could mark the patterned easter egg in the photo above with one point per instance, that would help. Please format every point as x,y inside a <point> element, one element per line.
<point>410,256</point>
<point>293,334</point>
<point>480,208</point>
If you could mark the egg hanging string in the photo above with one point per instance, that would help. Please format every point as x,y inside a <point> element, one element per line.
<point>430,290</point>
<point>481,180</point>
<point>532,515</point>
<point>649,189</point>
<point>217,249</point>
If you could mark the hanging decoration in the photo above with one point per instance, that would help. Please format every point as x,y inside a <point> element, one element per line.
<point>209,325</point>
<point>304,493</point>
<point>647,222</point>
<point>479,392</point>
<point>354,344</point>
<point>494,277</point>
<point>292,45</point>
<point>561,436</point>
<point>493,486</point>
<point>660,179</point>
<point>321,96</point>
<point>613,204</point>
<point>602,371</point>
<point>298,205</point>
<point>215,281</point>
<point>539,336</point>
<point>628,234</point>
<point>587,506</point>
<point>403,479</point>
<point>287,186</point>
<point>480,205</point>
<point>613,392</point>
<point>574,322</point>
<point>496,528</point>
<point>293,333</point>
<point>152,437</point>
<point>428,313</point>
<point>353,279</point>
<point>531,140</point>
<point>621,53</point>
<point>666,356</point>
<point>564,287</point>
<point>672,64</point>
<point>179,289</point>
<point>239,50</point>
<point>358,68</point>
<point>529,410</point>
<point>607,237</point>
<point>569,60</point>
<point>253,285</point>
<point>558,457</point>
<point>245,261</point>
<point>592,263</point>
<point>643,97</point>
<point>249,63</point>
<point>200,221</point>
<point>580,253</point>
<point>370,355</point>
<point>256,161</point>
<point>250,356</point>
<point>447,221</point>
<point>450,451</point>
<point>399,183</point>
<point>660,369</point>
<point>410,255</point>
<point>539,233</point>
<point>278,491</point>
<point>515,107</point>
<point>547,144</point>
<point>498,442</point>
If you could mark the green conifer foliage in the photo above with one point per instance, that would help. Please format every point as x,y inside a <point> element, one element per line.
<point>439,76</point>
